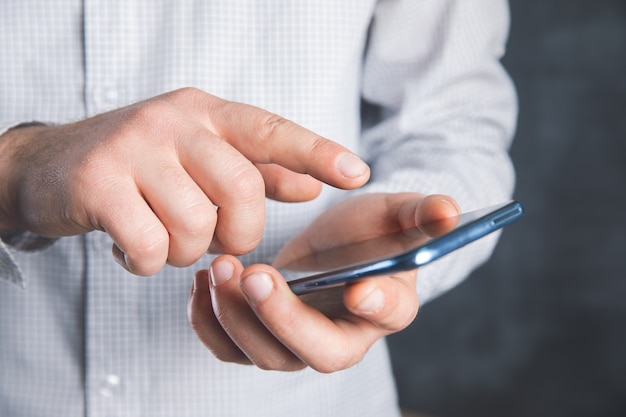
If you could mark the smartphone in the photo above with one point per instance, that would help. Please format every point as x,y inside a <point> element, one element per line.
<point>401,251</point>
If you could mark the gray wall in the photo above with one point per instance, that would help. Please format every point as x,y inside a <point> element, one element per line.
<point>541,329</point>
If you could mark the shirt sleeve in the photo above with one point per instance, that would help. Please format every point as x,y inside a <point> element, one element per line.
<point>9,270</point>
<point>439,112</point>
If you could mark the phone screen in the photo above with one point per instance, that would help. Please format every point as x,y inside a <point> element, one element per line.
<point>401,251</point>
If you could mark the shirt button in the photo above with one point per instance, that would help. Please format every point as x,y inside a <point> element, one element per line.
<point>110,95</point>
<point>106,98</point>
<point>109,385</point>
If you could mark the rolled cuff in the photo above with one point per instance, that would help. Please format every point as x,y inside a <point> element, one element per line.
<point>9,270</point>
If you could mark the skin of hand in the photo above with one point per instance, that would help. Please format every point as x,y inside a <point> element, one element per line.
<point>250,316</point>
<point>167,178</point>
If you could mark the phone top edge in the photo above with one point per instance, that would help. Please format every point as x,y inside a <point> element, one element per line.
<point>468,233</point>
<point>511,212</point>
<point>502,215</point>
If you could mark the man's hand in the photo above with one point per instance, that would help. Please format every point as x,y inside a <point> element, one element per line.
<point>249,315</point>
<point>166,178</point>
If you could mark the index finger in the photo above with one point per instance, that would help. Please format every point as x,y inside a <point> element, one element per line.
<point>265,137</point>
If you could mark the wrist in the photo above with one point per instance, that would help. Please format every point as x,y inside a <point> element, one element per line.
<point>10,143</point>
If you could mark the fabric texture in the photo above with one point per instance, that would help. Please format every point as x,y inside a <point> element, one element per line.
<point>414,86</point>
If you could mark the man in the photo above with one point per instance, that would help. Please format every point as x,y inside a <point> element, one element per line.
<point>100,133</point>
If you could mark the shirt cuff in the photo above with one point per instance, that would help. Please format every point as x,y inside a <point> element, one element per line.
<point>20,240</point>
<point>9,270</point>
<point>26,241</point>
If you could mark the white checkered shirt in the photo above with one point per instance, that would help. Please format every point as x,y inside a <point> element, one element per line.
<point>414,86</point>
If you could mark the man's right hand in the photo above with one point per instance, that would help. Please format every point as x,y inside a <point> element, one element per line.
<point>166,178</point>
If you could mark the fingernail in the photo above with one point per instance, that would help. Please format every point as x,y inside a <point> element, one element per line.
<point>449,204</point>
<point>373,303</point>
<point>120,257</point>
<point>221,271</point>
<point>200,281</point>
<point>351,166</point>
<point>257,286</point>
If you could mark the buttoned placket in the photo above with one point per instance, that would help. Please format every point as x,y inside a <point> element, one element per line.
<point>113,334</point>
<point>112,358</point>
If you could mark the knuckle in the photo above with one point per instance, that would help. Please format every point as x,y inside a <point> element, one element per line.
<point>199,222</point>
<point>247,184</point>
<point>227,355</point>
<point>247,195</point>
<point>150,244</point>
<point>319,146</point>
<point>157,121</point>
<point>266,364</point>
<point>235,248</point>
<point>340,360</point>
<point>287,363</point>
<point>268,126</point>
<point>99,172</point>
<point>339,356</point>
<point>400,306</point>
<point>148,251</point>
<point>151,113</point>
<point>188,95</point>
<point>187,92</point>
<point>395,321</point>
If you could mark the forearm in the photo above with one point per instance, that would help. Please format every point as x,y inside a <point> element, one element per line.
<point>446,119</point>
<point>445,124</point>
<point>11,137</point>
<point>9,270</point>
<point>10,232</point>
<point>5,143</point>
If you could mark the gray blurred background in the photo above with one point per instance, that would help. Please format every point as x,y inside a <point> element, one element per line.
<point>541,329</point>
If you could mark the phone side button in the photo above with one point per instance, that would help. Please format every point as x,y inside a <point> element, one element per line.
<point>508,217</point>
